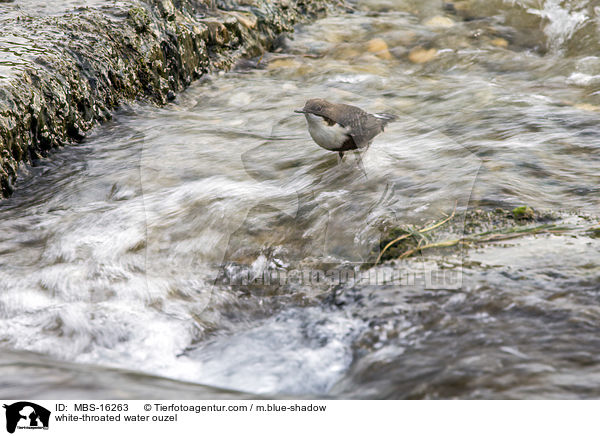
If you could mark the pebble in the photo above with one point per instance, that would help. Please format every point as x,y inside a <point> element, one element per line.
<point>345,52</point>
<point>439,22</point>
<point>380,48</point>
<point>283,63</point>
<point>500,42</point>
<point>421,55</point>
<point>335,37</point>
<point>401,37</point>
<point>247,20</point>
<point>463,9</point>
<point>587,107</point>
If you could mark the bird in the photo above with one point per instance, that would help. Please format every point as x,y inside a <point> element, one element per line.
<point>341,127</point>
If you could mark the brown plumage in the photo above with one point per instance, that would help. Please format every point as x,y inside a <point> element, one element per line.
<point>342,127</point>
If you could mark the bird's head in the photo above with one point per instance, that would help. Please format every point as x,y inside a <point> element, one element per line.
<point>316,106</point>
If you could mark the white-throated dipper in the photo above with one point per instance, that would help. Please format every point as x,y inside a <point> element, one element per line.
<point>341,127</point>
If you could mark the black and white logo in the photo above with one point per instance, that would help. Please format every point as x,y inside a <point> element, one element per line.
<point>26,415</point>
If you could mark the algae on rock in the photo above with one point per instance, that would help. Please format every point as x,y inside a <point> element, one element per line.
<point>77,67</point>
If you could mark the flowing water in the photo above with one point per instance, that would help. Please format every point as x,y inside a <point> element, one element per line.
<point>143,250</point>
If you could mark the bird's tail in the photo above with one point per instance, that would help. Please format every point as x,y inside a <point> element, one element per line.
<point>385,118</point>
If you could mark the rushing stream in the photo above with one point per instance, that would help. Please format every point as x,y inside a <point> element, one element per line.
<point>132,250</point>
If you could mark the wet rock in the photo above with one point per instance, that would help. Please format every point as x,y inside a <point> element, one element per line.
<point>476,226</point>
<point>461,8</point>
<point>523,213</point>
<point>289,63</point>
<point>379,47</point>
<point>421,55</point>
<point>449,7</point>
<point>76,68</point>
<point>402,37</point>
<point>499,42</point>
<point>439,22</point>
<point>245,19</point>
<point>139,19</point>
<point>346,52</point>
<point>218,34</point>
<point>587,107</point>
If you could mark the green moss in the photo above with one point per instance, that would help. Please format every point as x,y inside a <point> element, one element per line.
<point>523,213</point>
<point>139,19</point>
<point>97,59</point>
<point>473,227</point>
<point>594,232</point>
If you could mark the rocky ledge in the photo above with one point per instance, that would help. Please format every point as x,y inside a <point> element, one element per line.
<point>62,74</point>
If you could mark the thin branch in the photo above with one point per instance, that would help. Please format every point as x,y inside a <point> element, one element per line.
<point>426,229</point>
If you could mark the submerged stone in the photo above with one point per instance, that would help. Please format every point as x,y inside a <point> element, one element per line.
<point>421,55</point>
<point>474,227</point>
<point>523,213</point>
<point>439,22</point>
<point>379,48</point>
<point>500,42</point>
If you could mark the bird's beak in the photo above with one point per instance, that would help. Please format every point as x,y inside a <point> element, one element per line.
<point>300,111</point>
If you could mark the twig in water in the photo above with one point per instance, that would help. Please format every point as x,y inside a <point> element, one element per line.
<point>488,237</point>
<point>426,229</point>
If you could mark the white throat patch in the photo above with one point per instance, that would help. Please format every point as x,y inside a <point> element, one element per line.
<point>328,137</point>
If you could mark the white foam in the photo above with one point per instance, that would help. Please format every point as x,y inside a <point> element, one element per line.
<point>300,351</point>
<point>561,21</point>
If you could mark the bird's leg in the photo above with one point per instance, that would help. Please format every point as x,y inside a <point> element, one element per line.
<point>360,165</point>
<point>341,153</point>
